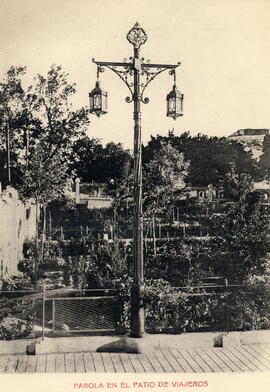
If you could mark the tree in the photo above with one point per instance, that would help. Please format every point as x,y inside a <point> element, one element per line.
<point>41,111</point>
<point>237,187</point>
<point>264,162</point>
<point>211,158</point>
<point>43,181</point>
<point>11,105</point>
<point>60,124</point>
<point>86,152</point>
<point>240,243</point>
<point>93,162</point>
<point>163,176</point>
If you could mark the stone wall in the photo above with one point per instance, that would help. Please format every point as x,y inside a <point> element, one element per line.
<point>17,223</point>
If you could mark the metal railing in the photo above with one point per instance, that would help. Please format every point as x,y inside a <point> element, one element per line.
<point>76,311</point>
<point>83,314</point>
<point>72,311</point>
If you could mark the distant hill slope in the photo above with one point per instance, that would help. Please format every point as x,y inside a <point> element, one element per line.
<point>252,139</point>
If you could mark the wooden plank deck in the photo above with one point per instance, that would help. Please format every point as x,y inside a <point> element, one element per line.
<point>246,358</point>
<point>41,363</point>
<point>127,363</point>
<point>70,363</point>
<point>79,363</point>
<point>22,363</point>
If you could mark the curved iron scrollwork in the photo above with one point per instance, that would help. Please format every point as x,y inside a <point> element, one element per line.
<point>124,75</point>
<point>125,71</point>
<point>172,72</point>
<point>145,99</point>
<point>101,69</point>
<point>150,75</point>
<point>151,71</point>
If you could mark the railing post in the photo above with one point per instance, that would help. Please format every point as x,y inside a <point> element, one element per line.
<point>34,317</point>
<point>226,294</point>
<point>43,310</point>
<point>53,315</point>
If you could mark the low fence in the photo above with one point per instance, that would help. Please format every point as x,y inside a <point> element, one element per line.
<point>28,314</point>
<point>69,311</point>
<point>78,314</point>
<point>76,311</point>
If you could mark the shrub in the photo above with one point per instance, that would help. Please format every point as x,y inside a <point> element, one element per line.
<point>169,309</point>
<point>122,307</point>
<point>247,308</point>
<point>16,319</point>
<point>166,308</point>
<point>76,269</point>
<point>15,282</point>
<point>13,327</point>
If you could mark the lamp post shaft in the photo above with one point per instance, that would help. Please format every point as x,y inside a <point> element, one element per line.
<point>147,72</point>
<point>137,308</point>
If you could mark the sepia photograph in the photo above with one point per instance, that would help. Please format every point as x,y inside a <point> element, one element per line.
<point>134,195</point>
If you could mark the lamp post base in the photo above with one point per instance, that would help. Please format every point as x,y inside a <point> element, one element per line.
<point>128,344</point>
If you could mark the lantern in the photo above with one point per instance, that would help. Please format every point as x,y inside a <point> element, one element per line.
<point>175,103</point>
<point>98,100</point>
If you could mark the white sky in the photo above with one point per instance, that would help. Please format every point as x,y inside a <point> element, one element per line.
<point>224,47</point>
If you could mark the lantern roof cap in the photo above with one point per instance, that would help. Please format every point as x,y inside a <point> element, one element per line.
<point>97,89</point>
<point>174,93</point>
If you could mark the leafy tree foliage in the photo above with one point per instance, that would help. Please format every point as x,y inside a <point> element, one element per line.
<point>93,162</point>
<point>163,175</point>
<point>180,262</point>
<point>60,124</point>
<point>42,111</point>
<point>237,187</point>
<point>11,107</point>
<point>240,245</point>
<point>11,97</point>
<point>45,178</point>
<point>211,158</point>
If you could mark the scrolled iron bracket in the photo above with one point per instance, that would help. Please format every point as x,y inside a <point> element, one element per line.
<point>125,71</point>
<point>149,77</point>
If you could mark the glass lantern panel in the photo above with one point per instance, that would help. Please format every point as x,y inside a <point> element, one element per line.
<point>104,102</point>
<point>171,104</point>
<point>97,101</point>
<point>91,103</point>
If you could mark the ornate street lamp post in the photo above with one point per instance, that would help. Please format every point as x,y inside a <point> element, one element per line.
<point>136,74</point>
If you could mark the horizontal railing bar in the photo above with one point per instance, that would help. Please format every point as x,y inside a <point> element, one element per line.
<point>71,298</point>
<point>104,290</point>
<point>210,286</point>
<point>62,290</point>
<point>87,330</point>
<point>21,291</point>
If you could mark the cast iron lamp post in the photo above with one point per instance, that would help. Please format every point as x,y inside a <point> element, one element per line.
<point>136,74</point>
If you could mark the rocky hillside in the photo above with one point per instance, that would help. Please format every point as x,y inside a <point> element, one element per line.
<point>252,139</point>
